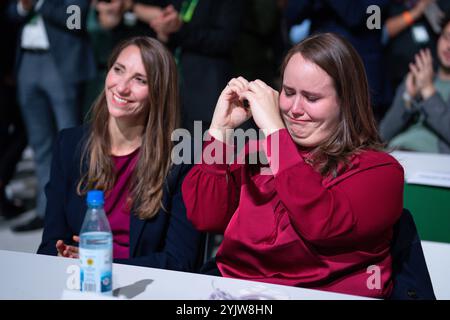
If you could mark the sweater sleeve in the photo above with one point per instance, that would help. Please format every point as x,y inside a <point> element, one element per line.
<point>324,215</point>
<point>397,117</point>
<point>437,116</point>
<point>211,190</point>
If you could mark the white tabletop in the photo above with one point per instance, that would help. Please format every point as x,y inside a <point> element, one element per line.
<point>32,276</point>
<point>437,256</point>
<point>425,168</point>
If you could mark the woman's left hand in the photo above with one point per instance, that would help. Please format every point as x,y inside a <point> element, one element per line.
<point>263,102</point>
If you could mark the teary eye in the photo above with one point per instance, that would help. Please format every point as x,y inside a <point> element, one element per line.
<point>311,98</point>
<point>288,92</point>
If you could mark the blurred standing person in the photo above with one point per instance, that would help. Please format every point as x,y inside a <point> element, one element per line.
<point>52,63</point>
<point>12,132</point>
<point>202,34</point>
<point>253,55</point>
<point>127,18</point>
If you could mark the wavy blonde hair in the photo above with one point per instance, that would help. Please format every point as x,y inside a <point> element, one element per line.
<point>162,113</point>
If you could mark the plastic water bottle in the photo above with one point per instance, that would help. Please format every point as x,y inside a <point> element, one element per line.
<point>95,247</point>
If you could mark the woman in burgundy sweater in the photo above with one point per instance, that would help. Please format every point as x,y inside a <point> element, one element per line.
<point>321,213</point>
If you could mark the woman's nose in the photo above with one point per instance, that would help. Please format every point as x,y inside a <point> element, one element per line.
<point>123,86</point>
<point>297,109</point>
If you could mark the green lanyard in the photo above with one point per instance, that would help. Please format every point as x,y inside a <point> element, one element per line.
<point>187,10</point>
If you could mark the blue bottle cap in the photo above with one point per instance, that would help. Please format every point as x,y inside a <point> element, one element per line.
<point>95,197</point>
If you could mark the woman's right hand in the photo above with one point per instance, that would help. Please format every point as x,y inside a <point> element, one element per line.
<point>67,251</point>
<point>230,111</point>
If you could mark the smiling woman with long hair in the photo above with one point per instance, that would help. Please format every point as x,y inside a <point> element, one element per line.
<point>126,152</point>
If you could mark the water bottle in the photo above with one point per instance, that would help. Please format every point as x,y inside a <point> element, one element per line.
<point>95,248</point>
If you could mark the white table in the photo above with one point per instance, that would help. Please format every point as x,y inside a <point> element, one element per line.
<point>437,256</point>
<point>32,276</point>
<point>418,164</point>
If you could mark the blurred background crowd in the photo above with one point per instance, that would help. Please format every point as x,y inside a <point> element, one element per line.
<point>50,74</point>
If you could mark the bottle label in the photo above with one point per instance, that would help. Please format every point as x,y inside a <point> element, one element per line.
<point>96,270</point>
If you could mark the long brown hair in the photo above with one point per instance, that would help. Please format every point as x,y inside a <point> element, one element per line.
<point>357,128</point>
<point>162,114</point>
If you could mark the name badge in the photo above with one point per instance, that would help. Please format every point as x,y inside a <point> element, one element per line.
<point>420,34</point>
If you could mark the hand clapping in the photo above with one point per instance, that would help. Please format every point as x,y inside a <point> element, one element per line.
<point>167,23</point>
<point>421,76</point>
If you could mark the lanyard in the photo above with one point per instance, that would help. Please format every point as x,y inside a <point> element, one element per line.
<point>186,13</point>
<point>187,10</point>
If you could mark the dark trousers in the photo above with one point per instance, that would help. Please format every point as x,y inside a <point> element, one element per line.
<point>12,134</point>
<point>49,102</point>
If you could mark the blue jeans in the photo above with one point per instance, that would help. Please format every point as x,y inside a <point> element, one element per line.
<point>48,103</point>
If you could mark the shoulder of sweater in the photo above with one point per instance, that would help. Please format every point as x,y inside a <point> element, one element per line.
<point>363,161</point>
<point>371,158</point>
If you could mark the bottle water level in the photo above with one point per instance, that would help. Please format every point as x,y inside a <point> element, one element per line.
<point>96,262</point>
<point>96,240</point>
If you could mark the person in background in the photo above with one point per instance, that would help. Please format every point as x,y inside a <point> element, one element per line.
<point>419,118</point>
<point>126,152</point>
<point>201,34</point>
<point>53,63</point>
<point>253,54</point>
<point>13,138</point>
<point>411,25</point>
<point>127,18</point>
<point>323,210</point>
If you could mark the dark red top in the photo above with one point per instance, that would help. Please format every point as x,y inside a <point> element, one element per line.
<point>116,207</point>
<point>296,227</point>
